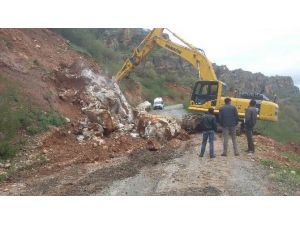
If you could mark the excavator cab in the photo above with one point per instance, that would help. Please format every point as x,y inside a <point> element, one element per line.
<point>205,91</point>
<point>206,94</point>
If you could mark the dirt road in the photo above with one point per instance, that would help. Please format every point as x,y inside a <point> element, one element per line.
<point>166,172</point>
<point>187,174</point>
<point>176,111</point>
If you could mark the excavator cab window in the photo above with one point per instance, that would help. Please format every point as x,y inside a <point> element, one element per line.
<point>205,91</point>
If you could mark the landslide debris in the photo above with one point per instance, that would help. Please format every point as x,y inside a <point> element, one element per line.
<point>100,122</point>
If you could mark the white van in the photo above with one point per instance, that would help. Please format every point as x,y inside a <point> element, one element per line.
<point>158,103</point>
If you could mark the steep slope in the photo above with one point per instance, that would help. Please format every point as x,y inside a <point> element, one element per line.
<point>45,84</point>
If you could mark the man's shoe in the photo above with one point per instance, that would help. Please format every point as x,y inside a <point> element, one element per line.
<point>214,156</point>
<point>237,154</point>
<point>200,155</point>
<point>223,154</point>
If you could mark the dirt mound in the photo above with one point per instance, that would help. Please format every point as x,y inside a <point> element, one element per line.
<point>269,149</point>
<point>33,58</point>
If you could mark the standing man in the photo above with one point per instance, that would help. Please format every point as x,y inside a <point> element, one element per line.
<point>229,118</point>
<point>250,121</point>
<point>209,126</point>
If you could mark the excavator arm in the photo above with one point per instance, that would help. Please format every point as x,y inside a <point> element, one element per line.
<point>139,53</point>
<point>191,54</point>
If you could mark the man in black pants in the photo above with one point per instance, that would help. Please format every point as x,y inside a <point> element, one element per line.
<point>209,126</point>
<point>250,121</point>
<point>229,120</point>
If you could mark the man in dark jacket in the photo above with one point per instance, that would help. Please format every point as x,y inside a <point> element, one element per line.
<point>229,119</point>
<point>209,126</point>
<point>250,121</point>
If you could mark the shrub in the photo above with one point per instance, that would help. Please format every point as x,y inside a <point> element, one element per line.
<point>36,62</point>
<point>7,150</point>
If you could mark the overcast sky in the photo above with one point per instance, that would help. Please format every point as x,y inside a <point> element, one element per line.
<point>259,36</point>
<point>255,35</point>
<point>272,52</point>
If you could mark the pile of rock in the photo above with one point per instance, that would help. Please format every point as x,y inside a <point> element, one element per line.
<point>144,106</point>
<point>106,110</point>
<point>157,127</point>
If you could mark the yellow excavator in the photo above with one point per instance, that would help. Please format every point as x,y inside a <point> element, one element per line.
<point>209,91</point>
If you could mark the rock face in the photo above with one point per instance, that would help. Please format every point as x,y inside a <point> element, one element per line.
<point>104,106</point>
<point>253,82</point>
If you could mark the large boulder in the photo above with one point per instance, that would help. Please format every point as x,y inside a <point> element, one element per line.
<point>144,106</point>
<point>107,122</point>
<point>158,127</point>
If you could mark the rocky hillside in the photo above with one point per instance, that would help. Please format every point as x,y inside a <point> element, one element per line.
<point>59,106</point>
<point>164,74</point>
<point>254,82</point>
<point>162,65</point>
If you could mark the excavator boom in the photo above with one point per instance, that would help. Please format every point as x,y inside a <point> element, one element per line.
<point>139,53</point>
<point>155,38</point>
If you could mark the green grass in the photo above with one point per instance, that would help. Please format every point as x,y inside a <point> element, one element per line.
<point>92,42</point>
<point>80,49</point>
<point>16,115</point>
<point>292,157</point>
<point>287,128</point>
<point>283,174</point>
<point>10,172</point>
<point>42,159</point>
<point>7,150</point>
<point>87,42</point>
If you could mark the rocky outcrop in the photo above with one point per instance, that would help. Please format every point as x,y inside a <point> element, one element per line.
<point>253,82</point>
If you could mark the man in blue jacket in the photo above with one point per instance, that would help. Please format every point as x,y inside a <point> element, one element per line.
<point>209,126</point>
<point>229,119</point>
